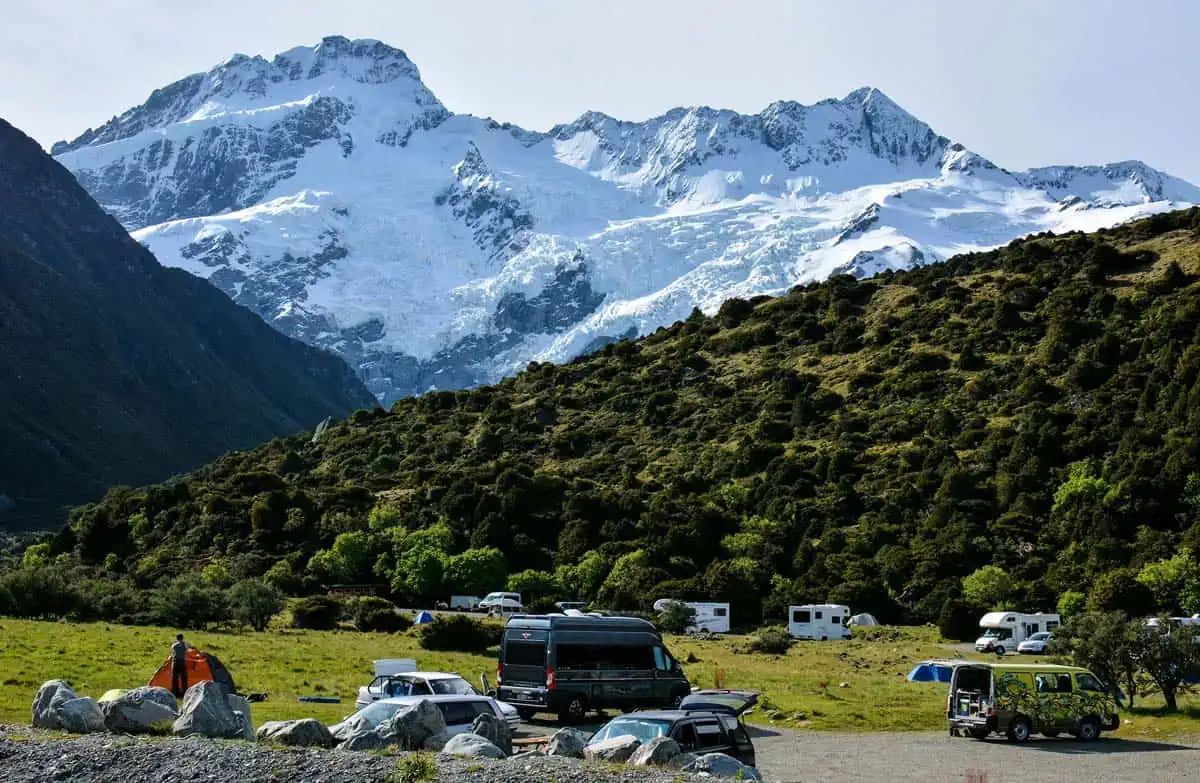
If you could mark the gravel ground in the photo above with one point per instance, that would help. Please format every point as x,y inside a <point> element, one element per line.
<point>30,755</point>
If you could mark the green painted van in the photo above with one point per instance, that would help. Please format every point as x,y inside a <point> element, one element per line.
<point>1020,699</point>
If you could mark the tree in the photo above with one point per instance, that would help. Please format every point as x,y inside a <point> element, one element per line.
<point>1071,603</point>
<point>1174,582</point>
<point>36,556</point>
<point>189,602</point>
<point>1168,656</point>
<point>629,582</point>
<point>534,585</point>
<point>317,612</point>
<point>676,617</point>
<point>957,621</point>
<point>418,575</point>
<point>475,572</point>
<point>255,602</point>
<point>988,586</point>
<point>1105,643</point>
<point>348,560</point>
<point>583,580</point>
<point>1120,591</point>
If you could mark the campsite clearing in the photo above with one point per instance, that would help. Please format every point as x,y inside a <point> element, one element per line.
<point>801,690</point>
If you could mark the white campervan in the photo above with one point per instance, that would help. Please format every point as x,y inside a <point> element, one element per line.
<point>1003,631</point>
<point>819,621</point>
<point>710,617</point>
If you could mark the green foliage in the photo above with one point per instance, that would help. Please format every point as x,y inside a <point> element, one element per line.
<point>418,575</point>
<point>1168,658</point>
<point>458,633</point>
<point>771,641</point>
<point>475,571</point>
<point>254,602</point>
<point>1071,603</point>
<point>1105,643</point>
<point>534,585</point>
<point>317,612</point>
<point>36,556</point>
<point>190,602</point>
<point>414,768</point>
<point>676,617</point>
<point>957,621</point>
<point>376,614</point>
<point>1174,582</point>
<point>988,587</point>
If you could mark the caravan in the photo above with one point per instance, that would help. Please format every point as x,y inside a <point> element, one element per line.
<point>710,617</point>
<point>1003,631</point>
<point>819,621</point>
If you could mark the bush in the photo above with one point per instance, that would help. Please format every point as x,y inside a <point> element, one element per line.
<point>676,617</point>
<point>376,614</point>
<point>957,621</point>
<point>457,633</point>
<point>190,602</point>
<point>317,613</point>
<point>541,606</point>
<point>771,641</point>
<point>254,603</point>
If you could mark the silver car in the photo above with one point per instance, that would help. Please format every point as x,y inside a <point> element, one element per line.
<point>458,711</point>
<point>426,684</point>
<point>1036,644</point>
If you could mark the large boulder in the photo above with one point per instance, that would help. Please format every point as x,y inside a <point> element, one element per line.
<point>50,696</point>
<point>411,726</point>
<point>615,749</point>
<point>435,742</point>
<point>363,739</point>
<point>206,712</point>
<point>308,732</point>
<point>494,730</point>
<point>81,716</point>
<point>658,752</point>
<point>241,708</point>
<point>472,746</point>
<point>567,742</point>
<point>155,694</point>
<point>139,711</point>
<point>719,765</point>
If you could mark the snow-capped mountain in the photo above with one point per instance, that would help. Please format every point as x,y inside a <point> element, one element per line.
<point>331,192</point>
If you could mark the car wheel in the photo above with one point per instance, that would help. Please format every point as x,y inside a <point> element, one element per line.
<point>1019,730</point>
<point>526,713</point>
<point>1000,650</point>
<point>574,711</point>
<point>1089,729</point>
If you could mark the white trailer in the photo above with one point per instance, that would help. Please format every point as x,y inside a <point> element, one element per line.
<point>711,617</point>
<point>819,621</point>
<point>1003,631</point>
<point>464,602</point>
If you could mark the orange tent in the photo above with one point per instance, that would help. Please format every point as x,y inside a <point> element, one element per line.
<point>200,666</point>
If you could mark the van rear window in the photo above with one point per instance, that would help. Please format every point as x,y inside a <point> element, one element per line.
<point>524,654</point>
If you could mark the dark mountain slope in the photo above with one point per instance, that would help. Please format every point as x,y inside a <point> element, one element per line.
<point>117,370</point>
<point>870,442</point>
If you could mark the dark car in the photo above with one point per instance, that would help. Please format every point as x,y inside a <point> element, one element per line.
<point>703,724</point>
<point>571,665</point>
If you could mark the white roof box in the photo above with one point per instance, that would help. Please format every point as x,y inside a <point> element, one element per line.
<point>395,666</point>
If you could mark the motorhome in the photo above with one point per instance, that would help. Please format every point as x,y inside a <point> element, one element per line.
<point>1003,631</point>
<point>819,621</point>
<point>710,617</point>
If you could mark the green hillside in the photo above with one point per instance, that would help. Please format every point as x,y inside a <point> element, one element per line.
<point>867,442</point>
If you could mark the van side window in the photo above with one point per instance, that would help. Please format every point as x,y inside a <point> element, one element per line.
<point>719,612</point>
<point>817,615</point>
<point>709,734</point>
<point>1087,682</point>
<point>801,616</point>
<point>685,735</point>
<point>835,619</point>
<point>595,656</point>
<point>1064,683</point>
<point>660,660</point>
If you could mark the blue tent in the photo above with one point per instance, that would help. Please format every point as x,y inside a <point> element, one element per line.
<point>422,618</point>
<point>931,671</point>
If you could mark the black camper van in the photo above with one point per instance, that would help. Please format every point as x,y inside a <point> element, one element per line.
<point>569,665</point>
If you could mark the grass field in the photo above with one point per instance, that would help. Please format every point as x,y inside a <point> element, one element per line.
<point>287,664</point>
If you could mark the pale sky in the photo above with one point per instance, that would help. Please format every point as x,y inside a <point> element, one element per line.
<point>1023,82</point>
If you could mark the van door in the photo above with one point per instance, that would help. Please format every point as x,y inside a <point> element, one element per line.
<point>524,661</point>
<point>669,683</point>
<point>1055,705</point>
<point>801,624</point>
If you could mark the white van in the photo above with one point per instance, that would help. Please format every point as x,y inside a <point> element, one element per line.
<point>1003,631</point>
<point>465,603</point>
<point>819,621</point>
<point>501,604</point>
<point>710,617</point>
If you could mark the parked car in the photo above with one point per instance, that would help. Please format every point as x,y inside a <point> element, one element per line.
<point>458,710</point>
<point>1004,631</point>
<point>1037,644</point>
<point>388,686</point>
<point>1018,699</point>
<point>705,723</point>
<point>570,665</point>
<point>501,603</point>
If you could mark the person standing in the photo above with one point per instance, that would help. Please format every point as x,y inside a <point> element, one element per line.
<point>179,683</point>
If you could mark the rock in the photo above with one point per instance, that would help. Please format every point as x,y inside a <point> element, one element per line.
<point>721,766</point>
<point>494,731</point>
<point>435,742</point>
<point>843,685</point>
<point>138,713</point>
<point>49,696</point>
<point>682,760</point>
<point>411,726</point>
<point>206,712</point>
<point>363,739</point>
<point>348,728</point>
<point>567,742</point>
<point>306,733</point>
<point>80,716</point>
<point>155,694</point>
<point>474,746</point>
<point>241,707</point>
<point>658,752</point>
<point>799,716</point>
<point>616,749</point>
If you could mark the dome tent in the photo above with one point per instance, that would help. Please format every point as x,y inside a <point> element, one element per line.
<point>200,666</point>
<point>932,671</point>
<point>423,617</point>
<point>863,619</point>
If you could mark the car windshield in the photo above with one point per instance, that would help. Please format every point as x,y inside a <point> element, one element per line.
<point>453,685</point>
<point>645,730</point>
<point>1040,637</point>
<point>997,633</point>
<point>377,713</point>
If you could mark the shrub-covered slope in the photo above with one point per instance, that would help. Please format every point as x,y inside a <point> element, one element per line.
<point>869,442</point>
<point>117,370</point>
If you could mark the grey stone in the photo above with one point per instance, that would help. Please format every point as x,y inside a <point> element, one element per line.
<point>435,742</point>
<point>567,742</point>
<point>80,716</point>
<point>411,726</point>
<point>241,707</point>
<point>155,694</point>
<point>472,746</point>
<point>363,739</point>
<point>307,732</point>
<point>132,714</point>
<point>494,730</point>
<point>206,712</point>
<point>50,696</point>
<point>616,749</point>
<point>658,752</point>
<point>721,766</point>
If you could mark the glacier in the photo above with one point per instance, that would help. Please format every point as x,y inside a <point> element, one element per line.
<point>328,190</point>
